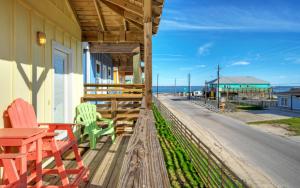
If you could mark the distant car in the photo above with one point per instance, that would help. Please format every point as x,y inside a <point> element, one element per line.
<point>198,93</point>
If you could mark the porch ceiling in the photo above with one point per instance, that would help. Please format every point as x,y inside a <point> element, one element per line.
<point>114,21</point>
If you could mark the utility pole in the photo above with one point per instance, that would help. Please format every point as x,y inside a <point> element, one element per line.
<point>189,85</point>
<point>157,85</point>
<point>218,87</point>
<point>205,89</point>
<point>175,88</point>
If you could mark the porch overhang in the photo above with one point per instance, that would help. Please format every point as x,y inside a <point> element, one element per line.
<point>121,22</point>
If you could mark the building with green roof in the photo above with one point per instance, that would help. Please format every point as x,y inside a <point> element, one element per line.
<point>239,87</point>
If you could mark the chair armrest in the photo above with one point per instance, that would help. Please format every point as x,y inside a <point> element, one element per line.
<point>78,120</point>
<point>51,134</point>
<point>12,155</point>
<point>110,122</point>
<point>62,126</point>
<point>106,120</point>
<point>58,126</point>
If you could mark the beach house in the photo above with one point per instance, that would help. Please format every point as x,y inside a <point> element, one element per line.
<point>239,87</point>
<point>44,62</point>
<point>289,100</point>
<point>41,57</point>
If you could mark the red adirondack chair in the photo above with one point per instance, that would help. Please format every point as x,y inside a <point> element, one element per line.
<point>8,161</point>
<point>21,115</point>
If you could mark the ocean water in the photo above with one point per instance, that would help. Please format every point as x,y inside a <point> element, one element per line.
<point>171,89</point>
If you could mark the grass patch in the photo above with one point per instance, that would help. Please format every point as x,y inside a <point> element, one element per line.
<point>292,123</point>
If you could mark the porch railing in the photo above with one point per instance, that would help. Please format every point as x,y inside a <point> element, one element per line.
<point>212,171</point>
<point>120,102</point>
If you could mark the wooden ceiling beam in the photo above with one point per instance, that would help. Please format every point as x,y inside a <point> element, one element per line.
<point>124,24</point>
<point>121,48</point>
<point>74,12</point>
<point>156,11</point>
<point>99,14</point>
<point>126,5</point>
<point>112,36</point>
<point>130,17</point>
<point>123,29</point>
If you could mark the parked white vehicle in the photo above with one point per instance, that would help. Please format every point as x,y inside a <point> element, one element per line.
<point>198,93</point>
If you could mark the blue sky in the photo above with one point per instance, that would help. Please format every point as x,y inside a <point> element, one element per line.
<point>250,38</point>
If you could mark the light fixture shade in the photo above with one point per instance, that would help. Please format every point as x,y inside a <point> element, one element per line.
<point>41,38</point>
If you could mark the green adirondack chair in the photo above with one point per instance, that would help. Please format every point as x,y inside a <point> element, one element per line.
<point>87,115</point>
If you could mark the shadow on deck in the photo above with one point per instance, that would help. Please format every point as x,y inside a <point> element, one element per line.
<point>104,162</point>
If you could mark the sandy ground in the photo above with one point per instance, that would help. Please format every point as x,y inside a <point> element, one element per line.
<point>278,130</point>
<point>264,115</point>
<point>261,115</point>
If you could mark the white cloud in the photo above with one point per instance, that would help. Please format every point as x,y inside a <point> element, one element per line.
<point>241,63</point>
<point>200,66</point>
<point>204,49</point>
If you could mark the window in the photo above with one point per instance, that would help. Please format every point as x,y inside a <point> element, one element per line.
<point>98,68</point>
<point>283,101</point>
<point>109,72</point>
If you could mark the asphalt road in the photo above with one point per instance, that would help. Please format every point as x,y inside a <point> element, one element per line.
<point>276,156</point>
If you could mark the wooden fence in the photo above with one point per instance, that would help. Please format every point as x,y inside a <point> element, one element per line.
<point>212,171</point>
<point>120,102</point>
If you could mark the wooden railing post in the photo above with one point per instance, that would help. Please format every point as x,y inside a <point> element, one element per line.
<point>148,51</point>
<point>137,74</point>
<point>114,108</point>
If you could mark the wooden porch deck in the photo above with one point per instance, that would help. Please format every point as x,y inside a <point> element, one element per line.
<point>104,162</point>
<point>132,161</point>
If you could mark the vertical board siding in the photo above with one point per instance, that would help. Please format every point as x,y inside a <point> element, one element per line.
<point>104,59</point>
<point>22,74</point>
<point>6,19</point>
<point>50,30</point>
<point>26,68</point>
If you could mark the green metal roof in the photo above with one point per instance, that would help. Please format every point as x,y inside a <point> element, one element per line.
<point>238,80</point>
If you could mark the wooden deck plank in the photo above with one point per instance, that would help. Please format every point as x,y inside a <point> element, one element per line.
<point>144,164</point>
<point>118,161</point>
<point>102,170</point>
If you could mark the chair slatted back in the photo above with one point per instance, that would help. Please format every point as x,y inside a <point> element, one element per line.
<point>21,114</point>
<point>87,114</point>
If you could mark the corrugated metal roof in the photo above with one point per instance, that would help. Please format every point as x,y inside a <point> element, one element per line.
<point>238,80</point>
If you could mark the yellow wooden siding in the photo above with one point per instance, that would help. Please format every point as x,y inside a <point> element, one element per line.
<point>25,67</point>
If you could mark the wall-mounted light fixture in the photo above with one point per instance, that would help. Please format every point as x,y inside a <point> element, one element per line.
<point>41,38</point>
